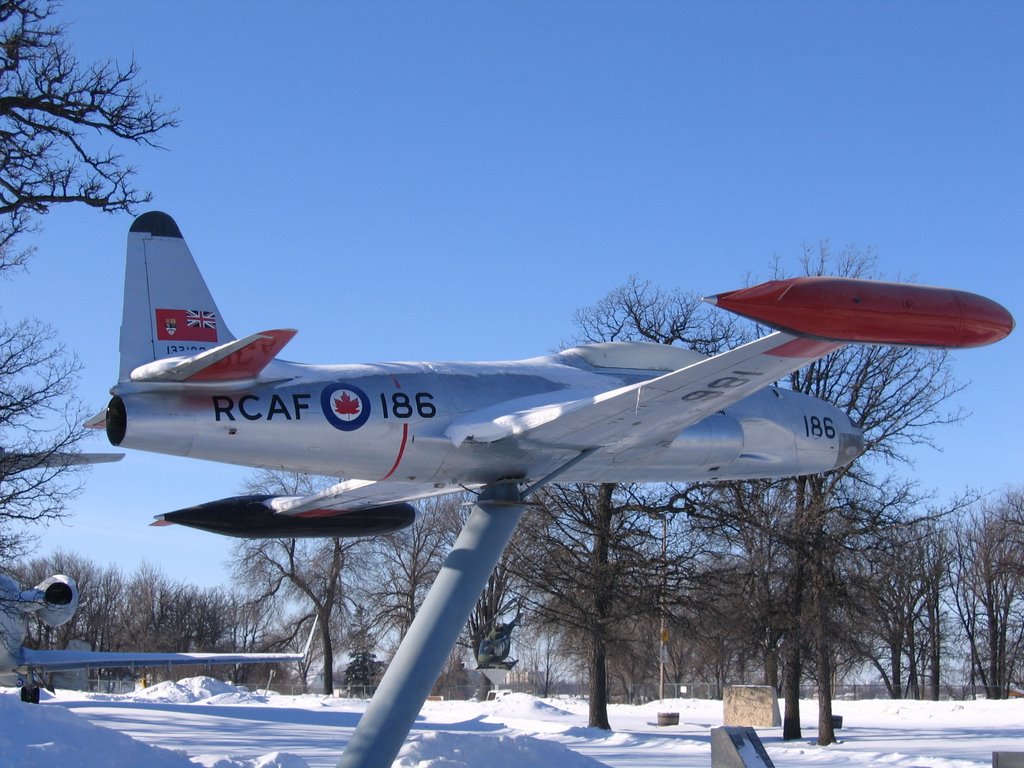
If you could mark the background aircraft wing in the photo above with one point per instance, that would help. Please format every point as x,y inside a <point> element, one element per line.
<point>656,410</point>
<point>13,461</point>
<point>59,661</point>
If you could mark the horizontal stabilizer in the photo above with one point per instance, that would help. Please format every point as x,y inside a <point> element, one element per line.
<point>871,312</point>
<point>237,360</point>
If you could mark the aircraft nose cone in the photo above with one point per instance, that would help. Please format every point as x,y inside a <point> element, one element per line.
<point>851,445</point>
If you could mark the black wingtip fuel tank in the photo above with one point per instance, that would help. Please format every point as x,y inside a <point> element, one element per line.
<point>248,517</point>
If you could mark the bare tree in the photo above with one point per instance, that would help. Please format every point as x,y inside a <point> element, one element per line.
<point>897,396</point>
<point>749,580</point>
<point>40,424</point>
<point>55,113</point>
<point>639,311</point>
<point>987,591</point>
<point>308,571</point>
<point>904,579</point>
<point>56,117</point>
<point>255,626</point>
<point>602,528</point>
<point>542,655</point>
<point>589,559</point>
<point>402,566</point>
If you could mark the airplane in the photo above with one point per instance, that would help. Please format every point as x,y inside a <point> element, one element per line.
<point>55,601</point>
<point>396,433</point>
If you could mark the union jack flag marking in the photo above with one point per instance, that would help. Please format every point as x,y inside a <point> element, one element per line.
<point>199,318</point>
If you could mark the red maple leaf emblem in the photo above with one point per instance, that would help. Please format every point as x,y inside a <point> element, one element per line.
<point>347,406</point>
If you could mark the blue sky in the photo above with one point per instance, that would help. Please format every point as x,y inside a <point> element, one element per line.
<point>452,180</point>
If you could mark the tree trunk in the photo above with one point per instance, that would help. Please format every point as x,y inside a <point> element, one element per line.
<point>598,715</point>
<point>935,649</point>
<point>823,635</point>
<point>602,610</point>
<point>771,668</point>
<point>895,669</point>
<point>994,632</point>
<point>791,693</point>
<point>913,679</point>
<point>794,664</point>
<point>826,733</point>
<point>325,640</point>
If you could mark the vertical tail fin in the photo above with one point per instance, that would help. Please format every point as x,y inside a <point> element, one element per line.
<point>168,310</point>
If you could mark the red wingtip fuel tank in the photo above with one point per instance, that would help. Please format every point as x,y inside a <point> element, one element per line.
<point>873,312</point>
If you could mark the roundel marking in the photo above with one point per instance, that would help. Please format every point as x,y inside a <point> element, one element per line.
<point>345,406</point>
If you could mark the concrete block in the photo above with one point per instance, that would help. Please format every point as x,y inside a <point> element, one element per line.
<point>756,706</point>
<point>735,747</point>
<point>1008,760</point>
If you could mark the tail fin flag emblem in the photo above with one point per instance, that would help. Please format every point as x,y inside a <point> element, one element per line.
<point>186,325</point>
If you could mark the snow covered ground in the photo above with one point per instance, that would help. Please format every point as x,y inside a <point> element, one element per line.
<point>203,722</point>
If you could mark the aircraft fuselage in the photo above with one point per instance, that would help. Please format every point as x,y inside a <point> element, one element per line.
<point>401,421</point>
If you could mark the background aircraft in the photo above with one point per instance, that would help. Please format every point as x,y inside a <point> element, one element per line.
<point>398,432</point>
<point>54,601</point>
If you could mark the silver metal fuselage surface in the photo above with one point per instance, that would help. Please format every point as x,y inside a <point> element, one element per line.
<point>401,422</point>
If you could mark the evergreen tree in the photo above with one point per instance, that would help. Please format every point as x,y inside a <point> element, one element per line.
<point>364,670</point>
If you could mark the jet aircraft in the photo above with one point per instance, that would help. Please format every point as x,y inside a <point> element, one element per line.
<point>395,433</point>
<point>55,601</point>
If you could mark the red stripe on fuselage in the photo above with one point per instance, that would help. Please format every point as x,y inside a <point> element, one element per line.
<point>401,452</point>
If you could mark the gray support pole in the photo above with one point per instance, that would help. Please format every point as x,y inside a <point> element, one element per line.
<point>424,650</point>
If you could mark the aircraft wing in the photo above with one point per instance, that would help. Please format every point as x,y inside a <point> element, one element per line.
<point>58,661</point>
<point>815,316</point>
<point>654,411</point>
<point>359,495</point>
